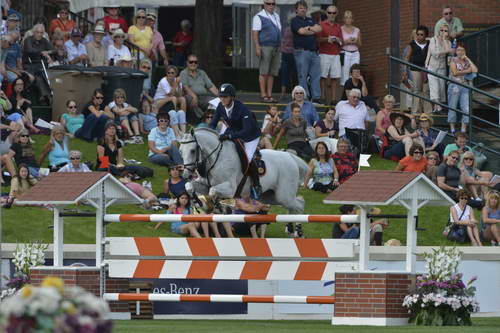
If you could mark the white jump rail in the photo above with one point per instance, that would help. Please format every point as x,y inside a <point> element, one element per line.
<point>269,218</point>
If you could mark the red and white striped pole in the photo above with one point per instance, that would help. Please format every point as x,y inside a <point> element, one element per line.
<point>237,218</point>
<point>218,298</point>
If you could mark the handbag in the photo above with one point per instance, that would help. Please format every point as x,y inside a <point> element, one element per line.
<point>455,232</point>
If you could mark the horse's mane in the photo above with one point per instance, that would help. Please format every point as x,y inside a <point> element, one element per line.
<point>206,129</point>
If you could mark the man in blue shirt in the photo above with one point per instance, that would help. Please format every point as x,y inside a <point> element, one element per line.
<point>241,124</point>
<point>308,63</point>
<point>77,52</point>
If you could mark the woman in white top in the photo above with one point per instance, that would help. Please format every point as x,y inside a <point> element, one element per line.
<point>462,214</point>
<point>352,41</point>
<point>171,91</point>
<point>117,50</point>
<point>439,48</point>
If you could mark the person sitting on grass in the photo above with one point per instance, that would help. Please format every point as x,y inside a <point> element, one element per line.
<point>463,215</point>
<point>270,126</point>
<point>491,218</point>
<point>97,115</point>
<point>126,116</point>
<point>110,156</point>
<point>76,165</point>
<point>415,162</point>
<point>352,231</point>
<point>206,119</point>
<point>163,143</point>
<point>325,177</point>
<point>57,149</point>
<point>72,120</point>
<point>23,153</point>
<point>345,161</point>
<point>432,165</point>
<point>175,185</point>
<point>20,183</point>
<point>150,200</point>
<point>247,205</point>
<point>182,206</point>
<point>477,182</point>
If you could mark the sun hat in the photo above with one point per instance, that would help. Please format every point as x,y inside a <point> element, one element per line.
<point>99,29</point>
<point>119,32</point>
<point>394,115</point>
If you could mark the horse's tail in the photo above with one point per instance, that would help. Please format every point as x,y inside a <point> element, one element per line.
<point>302,167</point>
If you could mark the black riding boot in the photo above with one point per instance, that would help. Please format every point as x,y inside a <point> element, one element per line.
<point>254,175</point>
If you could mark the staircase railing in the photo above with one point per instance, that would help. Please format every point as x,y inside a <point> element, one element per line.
<point>472,129</point>
<point>483,48</point>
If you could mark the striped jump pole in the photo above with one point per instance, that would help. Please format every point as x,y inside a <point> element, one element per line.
<point>237,218</point>
<point>219,298</point>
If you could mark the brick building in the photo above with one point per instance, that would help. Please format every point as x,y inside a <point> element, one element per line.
<point>386,25</point>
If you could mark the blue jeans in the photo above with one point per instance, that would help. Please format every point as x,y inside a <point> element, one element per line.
<point>456,95</point>
<point>171,157</point>
<point>287,68</point>
<point>308,65</point>
<point>352,233</point>
<point>93,127</point>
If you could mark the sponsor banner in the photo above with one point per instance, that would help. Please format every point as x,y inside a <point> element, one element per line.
<point>181,286</point>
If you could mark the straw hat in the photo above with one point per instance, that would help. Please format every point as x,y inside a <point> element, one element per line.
<point>425,117</point>
<point>99,29</point>
<point>394,115</point>
<point>119,32</point>
<point>125,58</point>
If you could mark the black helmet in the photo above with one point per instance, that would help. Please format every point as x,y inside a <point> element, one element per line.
<point>227,89</point>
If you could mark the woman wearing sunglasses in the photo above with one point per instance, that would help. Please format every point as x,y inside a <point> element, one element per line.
<point>476,181</point>
<point>463,215</point>
<point>448,175</point>
<point>72,120</point>
<point>415,162</point>
<point>141,34</point>
<point>491,218</point>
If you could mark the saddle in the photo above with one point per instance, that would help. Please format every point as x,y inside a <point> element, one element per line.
<point>245,163</point>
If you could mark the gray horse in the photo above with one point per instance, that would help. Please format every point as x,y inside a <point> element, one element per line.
<point>218,165</point>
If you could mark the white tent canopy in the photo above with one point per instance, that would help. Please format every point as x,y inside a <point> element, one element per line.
<point>80,5</point>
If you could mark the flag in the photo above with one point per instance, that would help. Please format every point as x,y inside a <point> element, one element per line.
<point>363,160</point>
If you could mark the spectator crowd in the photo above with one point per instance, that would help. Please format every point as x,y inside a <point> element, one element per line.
<point>323,54</point>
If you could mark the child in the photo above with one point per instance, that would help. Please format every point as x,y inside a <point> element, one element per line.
<point>126,116</point>
<point>270,126</point>
<point>182,206</point>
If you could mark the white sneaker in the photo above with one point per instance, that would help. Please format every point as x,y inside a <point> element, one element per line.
<point>138,139</point>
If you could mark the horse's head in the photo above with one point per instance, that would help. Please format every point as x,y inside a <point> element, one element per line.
<point>188,147</point>
<point>195,147</point>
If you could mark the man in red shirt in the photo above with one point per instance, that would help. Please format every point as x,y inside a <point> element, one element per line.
<point>112,21</point>
<point>330,42</point>
<point>182,43</point>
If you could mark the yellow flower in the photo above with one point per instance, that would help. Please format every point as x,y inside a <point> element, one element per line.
<point>54,282</point>
<point>27,291</point>
<point>69,308</point>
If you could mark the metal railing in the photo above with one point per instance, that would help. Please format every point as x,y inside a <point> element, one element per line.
<point>471,89</point>
<point>483,48</point>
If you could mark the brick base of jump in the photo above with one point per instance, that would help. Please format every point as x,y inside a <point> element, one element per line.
<point>371,298</point>
<point>85,277</point>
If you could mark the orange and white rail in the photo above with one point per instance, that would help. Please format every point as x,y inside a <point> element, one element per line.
<point>269,218</point>
<point>232,247</point>
<point>227,269</point>
<point>216,298</point>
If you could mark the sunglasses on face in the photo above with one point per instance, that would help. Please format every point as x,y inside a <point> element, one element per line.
<point>299,93</point>
<point>141,17</point>
<point>25,136</point>
<point>146,67</point>
<point>98,97</point>
<point>432,159</point>
<point>74,158</point>
<point>464,198</point>
<point>443,30</point>
<point>193,61</point>
<point>417,152</point>
<point>270,3</point>
<point>448,13</point>
<point>454,157</point>
<point>171,73</point>
<point>72,107</point>
<point>468,159</point>
<point>420,34</point>
<point>163,120</point>
<point>332,13</point>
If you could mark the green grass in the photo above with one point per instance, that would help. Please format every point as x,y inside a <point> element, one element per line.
<point>480,325</point>
<point>23,224</point>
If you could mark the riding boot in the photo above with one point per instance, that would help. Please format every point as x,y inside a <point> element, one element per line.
<point>254,174</point>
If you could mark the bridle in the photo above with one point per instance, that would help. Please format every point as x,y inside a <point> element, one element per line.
<point>200,162</point>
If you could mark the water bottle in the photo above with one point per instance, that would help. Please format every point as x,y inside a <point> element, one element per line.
<point>454,44</point>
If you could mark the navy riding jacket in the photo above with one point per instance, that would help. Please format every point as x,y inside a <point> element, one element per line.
<point>242,124</point>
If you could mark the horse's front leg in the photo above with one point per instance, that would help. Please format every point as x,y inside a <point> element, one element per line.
<point>197,186</point>
<point>223,190</point>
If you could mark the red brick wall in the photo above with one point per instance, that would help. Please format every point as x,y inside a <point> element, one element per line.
<point>470,12</point>
<point>371,295</point>
<point>87,279</point>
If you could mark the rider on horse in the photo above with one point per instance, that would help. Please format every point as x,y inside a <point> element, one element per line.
<point>241,124</point>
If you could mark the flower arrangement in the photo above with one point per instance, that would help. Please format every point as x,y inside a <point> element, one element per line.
<point>442,298</point>
<point>54,308</point>
<point>25,257</point>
